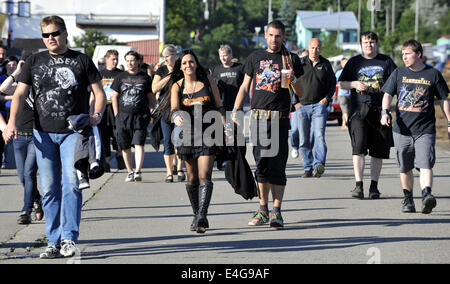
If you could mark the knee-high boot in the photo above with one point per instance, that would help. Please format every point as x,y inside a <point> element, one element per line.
<point>192,191</point>
<point>204,196</point>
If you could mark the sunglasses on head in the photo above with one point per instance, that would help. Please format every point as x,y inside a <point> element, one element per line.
<point>53,34</point>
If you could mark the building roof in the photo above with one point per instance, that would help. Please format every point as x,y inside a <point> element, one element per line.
<point>117,20</point>
<point>328,20</point>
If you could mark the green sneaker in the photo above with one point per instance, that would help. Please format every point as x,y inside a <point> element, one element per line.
<point>259,218</point>
<point>276,221</point>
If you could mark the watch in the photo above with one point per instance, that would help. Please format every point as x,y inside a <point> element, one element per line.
<point>99,114</point>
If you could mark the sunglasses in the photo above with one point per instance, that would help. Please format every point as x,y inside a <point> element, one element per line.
<point>53,34</point>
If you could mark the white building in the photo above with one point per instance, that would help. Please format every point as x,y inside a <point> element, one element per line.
<point>122,20</point>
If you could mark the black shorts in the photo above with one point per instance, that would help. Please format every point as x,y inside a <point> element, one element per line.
<point>368,136</point>
<point>131,129</point>
<point>270,159</point>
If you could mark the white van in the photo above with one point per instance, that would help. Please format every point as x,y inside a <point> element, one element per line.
<point>100,51</point>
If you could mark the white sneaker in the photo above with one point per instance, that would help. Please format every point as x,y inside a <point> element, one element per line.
<point>130,177</point>
<point>137,176</point>
<point>51,252</point>
<point>69,249</point>
<point>294,153</point>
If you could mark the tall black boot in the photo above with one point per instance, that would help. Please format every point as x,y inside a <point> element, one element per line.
<point>192,191</point>
<point>204,196</point>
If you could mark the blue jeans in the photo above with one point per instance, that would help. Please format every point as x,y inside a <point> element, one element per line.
<point>167,129</point>
<point>295,138</point>
<point>25,156</point>
<point>61,197</point>
<point>312,123</point>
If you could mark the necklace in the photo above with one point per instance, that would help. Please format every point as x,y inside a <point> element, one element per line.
<point>193,91</point>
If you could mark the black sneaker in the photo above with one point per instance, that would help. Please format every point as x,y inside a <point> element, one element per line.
<point>24,218</point>
<point>408,205</point>
<point>358,192</point>
<point>38,211</point>
<point>307,174</point>
<point>428,201</point>
<point>374,193</point>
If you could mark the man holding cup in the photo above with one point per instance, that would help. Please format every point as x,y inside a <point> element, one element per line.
<point>319,83</point>
<point>270,106</point>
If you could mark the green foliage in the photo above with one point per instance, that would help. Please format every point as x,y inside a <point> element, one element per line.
<point>232,21</point>
<point>91,38</point>
<point>329,46</point>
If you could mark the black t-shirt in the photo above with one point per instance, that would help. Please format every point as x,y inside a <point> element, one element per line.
<point>107,80</point>
<point>372,72</point>
<point>133,92</point>
<point>228,81</point>
<point>265,69</point>
<point>25,121</point>
<point>60,87</point>
<point>162,71</point>
<point>415,92</point>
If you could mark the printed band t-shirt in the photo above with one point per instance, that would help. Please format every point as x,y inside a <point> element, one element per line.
<point>372,72</point>
<point>60,87</point>
<point>133,92</point>
<point>228,81</point>
<point>107,80</point>
<point>265,69</point>
<point>415,92</point>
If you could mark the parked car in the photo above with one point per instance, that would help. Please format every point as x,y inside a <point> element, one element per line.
<point>334,109</point>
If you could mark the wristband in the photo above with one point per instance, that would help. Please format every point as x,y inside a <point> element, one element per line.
<point>293,81</point>
<point>448,123</point>
<point>175,114</point>
<point>385,112</point>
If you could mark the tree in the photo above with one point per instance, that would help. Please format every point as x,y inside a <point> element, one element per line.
<point>183,17</point>
<point>287,16</point>
<point>91,38</point>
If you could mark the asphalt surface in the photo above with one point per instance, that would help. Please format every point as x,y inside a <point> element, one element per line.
<point>148,222</point>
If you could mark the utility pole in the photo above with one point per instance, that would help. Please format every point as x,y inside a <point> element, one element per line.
<point>387,19</point>
<point>162,23</point>
<point>393,16</point>
<point>338,23</point>
<point>359,22</point>
<point>372,16</point>
<point>269,12</point>
<point>416,29</point>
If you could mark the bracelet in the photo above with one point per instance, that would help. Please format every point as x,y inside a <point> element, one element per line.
<point>385,112</point>
<point>175,114</point>
<point>448,123</point>
<point>293,81</point>
<point>14,78</point>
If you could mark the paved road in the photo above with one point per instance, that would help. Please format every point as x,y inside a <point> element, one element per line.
<point>148,222</point>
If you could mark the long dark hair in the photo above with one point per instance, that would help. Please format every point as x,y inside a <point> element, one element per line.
<point>177,73</point>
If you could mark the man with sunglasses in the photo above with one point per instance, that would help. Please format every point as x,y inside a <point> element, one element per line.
<point>59,78</point>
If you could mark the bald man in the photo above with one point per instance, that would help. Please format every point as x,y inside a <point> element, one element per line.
<point>319,84</point>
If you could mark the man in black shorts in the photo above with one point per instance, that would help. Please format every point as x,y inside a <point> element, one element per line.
<point>270,118</point>
<point>364,75</point>
<point>130,101</point>
<point>416,86</point>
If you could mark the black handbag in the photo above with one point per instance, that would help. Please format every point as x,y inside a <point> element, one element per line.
<point>162,105</point>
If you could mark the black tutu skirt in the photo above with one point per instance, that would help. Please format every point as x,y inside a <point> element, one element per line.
<point>187,153</point>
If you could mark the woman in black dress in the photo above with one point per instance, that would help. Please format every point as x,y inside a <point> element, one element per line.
<point>193,95</point>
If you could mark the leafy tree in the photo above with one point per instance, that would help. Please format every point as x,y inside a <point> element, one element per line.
<point>91,38</point>
<point>287,15</point>
<point>182,18</point>
<point>329,46</point>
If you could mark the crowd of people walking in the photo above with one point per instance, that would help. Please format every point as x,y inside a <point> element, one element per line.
<point>196,113</point>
